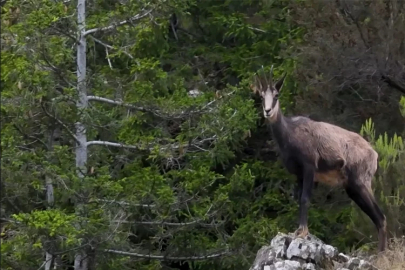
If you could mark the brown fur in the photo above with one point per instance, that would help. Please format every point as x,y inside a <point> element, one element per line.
<point>332,144</point>
<point>331,178</point>
<point>321,152</point>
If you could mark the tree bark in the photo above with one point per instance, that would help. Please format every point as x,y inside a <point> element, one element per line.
<point>50,199</point>
<point>81,258</point>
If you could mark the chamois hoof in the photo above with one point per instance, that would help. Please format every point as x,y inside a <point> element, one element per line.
<point>301,232</point>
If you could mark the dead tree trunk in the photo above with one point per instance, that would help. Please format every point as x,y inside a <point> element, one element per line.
<point>81,259</point>
<point>50,199</point>
<point>49,258</point>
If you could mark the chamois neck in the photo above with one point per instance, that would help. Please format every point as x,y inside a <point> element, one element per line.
<point>278,127</point>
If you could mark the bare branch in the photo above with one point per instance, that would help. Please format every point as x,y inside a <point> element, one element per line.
<point>110,47</point>
<point>65,33</point>
<point>146,205</point>
<point>60,123</point>
<point>257,29</point>
<point>114,25</point>
<point>174,29</point>
<point>163,223</point>
<point>159,113</point>
<point>156,112</point>
<point>105,143</point>
<point>174,224</point>
<point>116,102</point>
<point>151,146</point>
<point>30,136</point>
<point>42,265</point>
<point>356,22</point>
<point>163,258</point>
<point>394,83</point>
<point>10,220</point>
<point>108,58</point>
<point>56,70</point>
<point>137,205</point>
<point>125,203</point>
<point>49,260</point>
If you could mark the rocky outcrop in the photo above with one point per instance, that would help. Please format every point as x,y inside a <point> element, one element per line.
<point>290,253</point>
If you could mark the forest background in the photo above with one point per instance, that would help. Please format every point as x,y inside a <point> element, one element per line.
<point>130,138</point>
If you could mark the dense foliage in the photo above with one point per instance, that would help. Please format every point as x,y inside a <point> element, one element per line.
<point>181,172</point>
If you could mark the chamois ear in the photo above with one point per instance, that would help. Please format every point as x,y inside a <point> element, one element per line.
<point>254,88</point>
<point>256,85</point>
<point>279,84</point>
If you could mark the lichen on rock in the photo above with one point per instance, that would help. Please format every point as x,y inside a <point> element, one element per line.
<point>287,252</point>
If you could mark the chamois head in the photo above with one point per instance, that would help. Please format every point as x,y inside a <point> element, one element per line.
<point>268,92</point>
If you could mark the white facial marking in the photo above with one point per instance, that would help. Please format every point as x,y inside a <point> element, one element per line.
<point>269,101</point>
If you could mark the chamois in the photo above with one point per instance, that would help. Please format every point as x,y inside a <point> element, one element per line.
<point>320,152</point>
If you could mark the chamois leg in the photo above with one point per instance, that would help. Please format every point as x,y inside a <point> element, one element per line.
<point>363,197</point>
<point>298,188</point>
<point>304,199</point>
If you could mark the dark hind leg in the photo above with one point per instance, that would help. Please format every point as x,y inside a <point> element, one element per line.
<point>305,187</point>
<point>363,197</point>
<point>298,188</point>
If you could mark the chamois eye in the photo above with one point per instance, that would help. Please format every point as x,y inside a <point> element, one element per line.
<point>276,96</point>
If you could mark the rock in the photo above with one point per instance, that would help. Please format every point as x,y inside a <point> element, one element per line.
<point>292,265</point>
<point>280,244</point>
<point>287,265</point>
<point>342,258</point>
<point>372,258</point>
<point>365,265</point>
<point>353,263</point>
<point>194,93</point>
<point>265,256</point>
<point>337,265</point>
<point>303,249</point>
<point>309,266</point>
<point>279,265</point>
<point>290,253</point>
<point>330,251</point>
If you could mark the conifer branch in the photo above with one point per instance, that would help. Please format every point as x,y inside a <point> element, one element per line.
<point>60,123</point>
<point>110,47</point>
